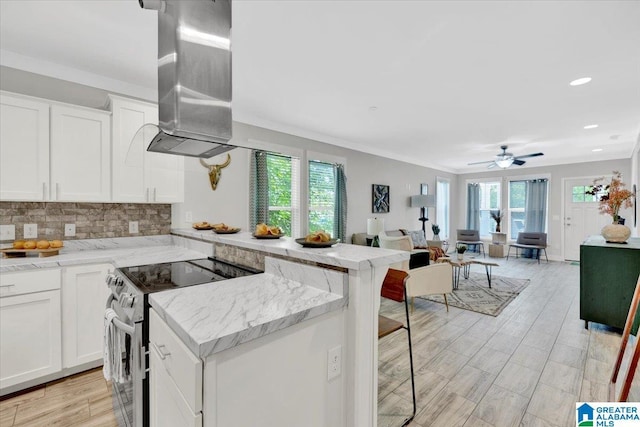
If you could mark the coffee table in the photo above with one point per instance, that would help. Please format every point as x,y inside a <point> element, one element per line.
<point>465,265</point>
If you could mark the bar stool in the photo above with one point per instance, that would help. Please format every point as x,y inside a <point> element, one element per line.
<point>394,287</point>
<point>633,363</point>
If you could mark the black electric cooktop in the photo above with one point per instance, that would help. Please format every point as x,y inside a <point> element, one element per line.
<point>171,275</point>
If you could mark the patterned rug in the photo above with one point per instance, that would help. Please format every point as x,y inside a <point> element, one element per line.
<point>474,293</point>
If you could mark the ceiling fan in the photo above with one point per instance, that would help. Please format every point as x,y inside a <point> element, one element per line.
<point>504,159</point>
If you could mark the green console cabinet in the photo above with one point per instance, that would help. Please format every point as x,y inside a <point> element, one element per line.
<point>608,276</point>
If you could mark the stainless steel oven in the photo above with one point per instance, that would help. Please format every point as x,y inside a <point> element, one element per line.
<point>129,298</point>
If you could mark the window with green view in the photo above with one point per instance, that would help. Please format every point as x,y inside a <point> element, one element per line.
<point>280,173</point>
<point>322,196</point>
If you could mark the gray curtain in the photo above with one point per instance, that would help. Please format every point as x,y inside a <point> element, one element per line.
<point>259,189</point>
<point>473,206</point>
<point>340,210</point>
<point>535,208</point>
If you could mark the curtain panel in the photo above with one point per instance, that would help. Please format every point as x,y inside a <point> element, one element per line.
<point>259,189</point>
<point>340,210</point>
<point>473,206</point>
<point>535,209</point>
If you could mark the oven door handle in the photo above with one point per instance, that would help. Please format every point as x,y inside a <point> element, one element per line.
<point>128,329</point>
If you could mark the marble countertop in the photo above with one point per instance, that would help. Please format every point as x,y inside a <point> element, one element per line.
<point>340,255</point>
<point>121,252</point>
<point>217,316</point>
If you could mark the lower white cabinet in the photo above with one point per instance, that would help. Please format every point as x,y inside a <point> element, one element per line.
<point>30,334</point>
<point>84,294</point>
<point>175,379</point>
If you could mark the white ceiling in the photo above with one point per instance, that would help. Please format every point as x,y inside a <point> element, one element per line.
<point>451,81</point>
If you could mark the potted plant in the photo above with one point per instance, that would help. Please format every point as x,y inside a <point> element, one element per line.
<point>461,249</point>
<point>497,217</point>
<point>612,197</point>
<point>436,231</point>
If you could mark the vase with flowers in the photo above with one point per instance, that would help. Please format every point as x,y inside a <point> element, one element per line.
<point>435,228</point>
<point>612,197</point>
<point>461,249</point>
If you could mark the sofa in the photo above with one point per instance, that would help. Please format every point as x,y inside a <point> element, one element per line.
<point>419,256</point>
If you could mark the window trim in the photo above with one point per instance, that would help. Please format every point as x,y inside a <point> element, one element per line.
<point>447,229</point>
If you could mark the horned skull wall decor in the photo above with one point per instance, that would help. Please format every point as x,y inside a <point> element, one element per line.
<point>215,171</point>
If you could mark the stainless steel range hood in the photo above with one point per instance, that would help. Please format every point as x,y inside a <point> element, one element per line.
<point>194,77</point>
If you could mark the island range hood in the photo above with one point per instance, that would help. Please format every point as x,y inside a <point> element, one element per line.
<point>194,77</point>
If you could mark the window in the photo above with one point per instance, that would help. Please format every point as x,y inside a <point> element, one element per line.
<point>442,206</point>
<point>516,214</point>
<point>489,200</point>
<point>578,196</point>
<point>275,190</point>
<point>279,197</point>
<point>322,196</point>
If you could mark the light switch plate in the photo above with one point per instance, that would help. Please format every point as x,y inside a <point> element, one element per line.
<point>69,230</point>
<point>188,216</point>
<point>31,231</point>
<point>133,227</point>
<point>7,232</point>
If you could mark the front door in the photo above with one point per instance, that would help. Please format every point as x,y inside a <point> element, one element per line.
<point>581,216</point>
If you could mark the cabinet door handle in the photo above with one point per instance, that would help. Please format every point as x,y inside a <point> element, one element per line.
<point>44,191</point>
<point>154,194</point>
<point>57,191</point>
<point>163,354</point>
<point>146,194</point>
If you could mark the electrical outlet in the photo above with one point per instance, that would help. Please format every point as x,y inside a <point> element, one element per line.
<point>188,216</point>
<point>133,227</point>
<point>31,231</point>
<point>8,232</point>
<point>334,362</point>
<point>69,230</point>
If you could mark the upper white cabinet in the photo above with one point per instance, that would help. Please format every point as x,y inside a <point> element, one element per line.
<point>24,148</point>
<point>138,175</point>
<point>84,294</point>
<point>80,164</point>
<point>51,151</point>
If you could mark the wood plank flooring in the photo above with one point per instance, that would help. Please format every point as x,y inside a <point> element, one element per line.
<point>526,367</point>
<point>80,400</point>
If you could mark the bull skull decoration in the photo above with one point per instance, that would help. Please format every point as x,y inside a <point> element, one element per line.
<point>215,171</point>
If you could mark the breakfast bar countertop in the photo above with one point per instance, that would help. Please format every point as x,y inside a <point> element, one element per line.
<point>353,257</point>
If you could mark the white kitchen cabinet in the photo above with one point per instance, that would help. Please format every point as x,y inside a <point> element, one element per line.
<point>84,294</point>
<point>24,148</point>
<point>30,337</point>
<point>175,379</point>
<point>80,155</point>
<point>138,175</point>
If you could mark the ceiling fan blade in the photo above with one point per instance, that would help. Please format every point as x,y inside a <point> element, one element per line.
<point>518,162</point>
<point>479,163</point>
<point>492,165</point>
<point>529,155</point>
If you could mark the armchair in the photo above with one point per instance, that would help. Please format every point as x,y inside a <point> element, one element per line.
<point>427,280</point>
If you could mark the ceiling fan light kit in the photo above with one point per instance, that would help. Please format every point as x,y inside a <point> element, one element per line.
<point>504,160</point>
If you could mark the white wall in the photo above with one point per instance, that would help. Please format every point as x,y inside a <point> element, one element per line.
<point>556,175</point>
<point>229,203</point>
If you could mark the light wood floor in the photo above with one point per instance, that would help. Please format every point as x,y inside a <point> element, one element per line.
<point>80,400</point>
<point>526,367</point>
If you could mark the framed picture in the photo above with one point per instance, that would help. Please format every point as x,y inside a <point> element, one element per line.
<point>380,196</point>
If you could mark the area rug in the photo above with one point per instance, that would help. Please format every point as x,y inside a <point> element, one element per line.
<point>474,293</point>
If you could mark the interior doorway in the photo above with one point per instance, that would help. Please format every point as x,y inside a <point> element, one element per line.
<point>581,216</point>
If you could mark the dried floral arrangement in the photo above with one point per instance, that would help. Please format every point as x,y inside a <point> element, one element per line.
<point>612,196</point>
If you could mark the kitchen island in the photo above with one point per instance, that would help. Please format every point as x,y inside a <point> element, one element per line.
<point>355,327</point>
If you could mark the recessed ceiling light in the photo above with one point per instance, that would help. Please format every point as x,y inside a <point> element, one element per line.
<point>591,126</point>
<point>373,108</point>
<point>580,81</point>
<point>595,150</point>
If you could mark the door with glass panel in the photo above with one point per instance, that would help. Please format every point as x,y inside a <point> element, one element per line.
<point>581,216</point>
